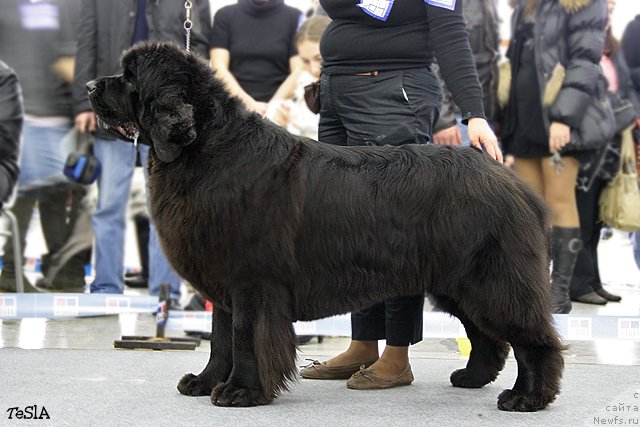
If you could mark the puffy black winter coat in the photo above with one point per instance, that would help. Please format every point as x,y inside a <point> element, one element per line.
<point>631,50</point>
<point>10,129</point>
<point>569,41</point>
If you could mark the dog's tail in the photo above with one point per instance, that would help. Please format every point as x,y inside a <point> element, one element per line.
<point>275,347</point>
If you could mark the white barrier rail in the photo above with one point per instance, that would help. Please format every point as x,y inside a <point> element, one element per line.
<point>436,324</point>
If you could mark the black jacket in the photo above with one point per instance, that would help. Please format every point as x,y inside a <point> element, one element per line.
<point>631,49</point>
<point>10,129</point>
<point>482,22</point>
<point>106,31</point>
<point>569,38</point>
<point>604,163</point>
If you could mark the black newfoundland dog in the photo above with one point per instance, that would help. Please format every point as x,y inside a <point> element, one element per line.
<point>274,228</point>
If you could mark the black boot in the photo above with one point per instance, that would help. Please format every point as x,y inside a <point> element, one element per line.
<point>565,245</point>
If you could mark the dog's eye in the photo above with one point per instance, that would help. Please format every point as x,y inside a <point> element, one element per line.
<point>128,78</point>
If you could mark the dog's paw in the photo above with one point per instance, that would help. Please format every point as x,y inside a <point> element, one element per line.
<point>465,379</point>
<point>517,401</point>
<point>192,385</point>
<point>228,394</point>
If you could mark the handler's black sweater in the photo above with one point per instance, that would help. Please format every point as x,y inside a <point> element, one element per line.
<point>387,35</point>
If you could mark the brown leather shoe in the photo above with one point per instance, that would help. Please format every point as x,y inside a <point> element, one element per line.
<point>367,380</point>
<point>608,295</point>
<point>320,371</point>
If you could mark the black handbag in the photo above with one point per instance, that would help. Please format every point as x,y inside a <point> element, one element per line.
<point>312,96</point>
<point>81,165</point>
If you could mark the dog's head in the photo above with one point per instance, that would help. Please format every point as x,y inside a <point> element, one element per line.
<point>150,99</point>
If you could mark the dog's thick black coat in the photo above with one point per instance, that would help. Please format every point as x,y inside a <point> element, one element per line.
<point>274,228</point>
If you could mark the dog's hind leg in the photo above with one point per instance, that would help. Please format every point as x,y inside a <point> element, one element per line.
<point>264,349</point>
<point>540,367</point>
<point>487,357</point>
<point>220,359</point>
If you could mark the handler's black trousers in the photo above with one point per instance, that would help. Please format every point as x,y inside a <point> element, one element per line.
<point>390,108</point>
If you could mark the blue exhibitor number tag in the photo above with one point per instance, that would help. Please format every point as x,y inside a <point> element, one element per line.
<point>379,9</point>
<point>445,4</point>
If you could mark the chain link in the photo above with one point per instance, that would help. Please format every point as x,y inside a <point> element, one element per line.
<point>188,24</point>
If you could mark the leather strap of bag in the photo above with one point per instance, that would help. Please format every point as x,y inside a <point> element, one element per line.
<point>627,155</point>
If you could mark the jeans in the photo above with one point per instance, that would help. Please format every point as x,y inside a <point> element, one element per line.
<point>118,159</point>
<point>42,156</point>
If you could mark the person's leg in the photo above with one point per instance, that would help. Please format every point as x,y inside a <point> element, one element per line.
<point>367,326</point>
<point>599,185</point>
<point>52,203</point>
<point>560,196</point>
<point>584,280</point>
<point>66,272</point>
<point>118,161</point>
<point>330,128</point>
<point>53,195</point>
<point>403,327</point>
<point>393,108</point>
<point>23,211</point>
<point>40,163</point>
<point>160,271</point>
<point>530,170</point>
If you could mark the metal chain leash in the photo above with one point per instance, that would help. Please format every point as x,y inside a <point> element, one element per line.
<point>188,24</point>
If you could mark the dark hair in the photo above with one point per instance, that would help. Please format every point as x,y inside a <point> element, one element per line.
<point>312,29</point>
<point>611,44</point>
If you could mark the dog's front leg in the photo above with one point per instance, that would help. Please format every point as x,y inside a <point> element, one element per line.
<point>220,360</point>
<point>243,387</point>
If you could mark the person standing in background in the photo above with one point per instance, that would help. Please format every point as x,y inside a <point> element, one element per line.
<point>595,174</point>
<point>10,130</point>
<point>107,29</point>
<point>482,22</point>
<point>556,113</point>
<point>39,43</point>
<point>631,51</point>
<point>253,52</point>
<point>293,113</point>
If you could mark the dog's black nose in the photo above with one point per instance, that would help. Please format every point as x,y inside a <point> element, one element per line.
<point>91,86</point>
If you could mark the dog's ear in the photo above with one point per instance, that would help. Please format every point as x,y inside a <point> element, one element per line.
<point>163,107</point>
<point>172,128</point>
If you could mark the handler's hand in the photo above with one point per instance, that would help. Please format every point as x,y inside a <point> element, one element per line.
<point>86,121</point>
<point>481,135</point>
<point>448,136</point>
<point>559,136</point>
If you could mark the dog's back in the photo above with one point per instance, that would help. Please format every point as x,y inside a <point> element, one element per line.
<point>413,217</point>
